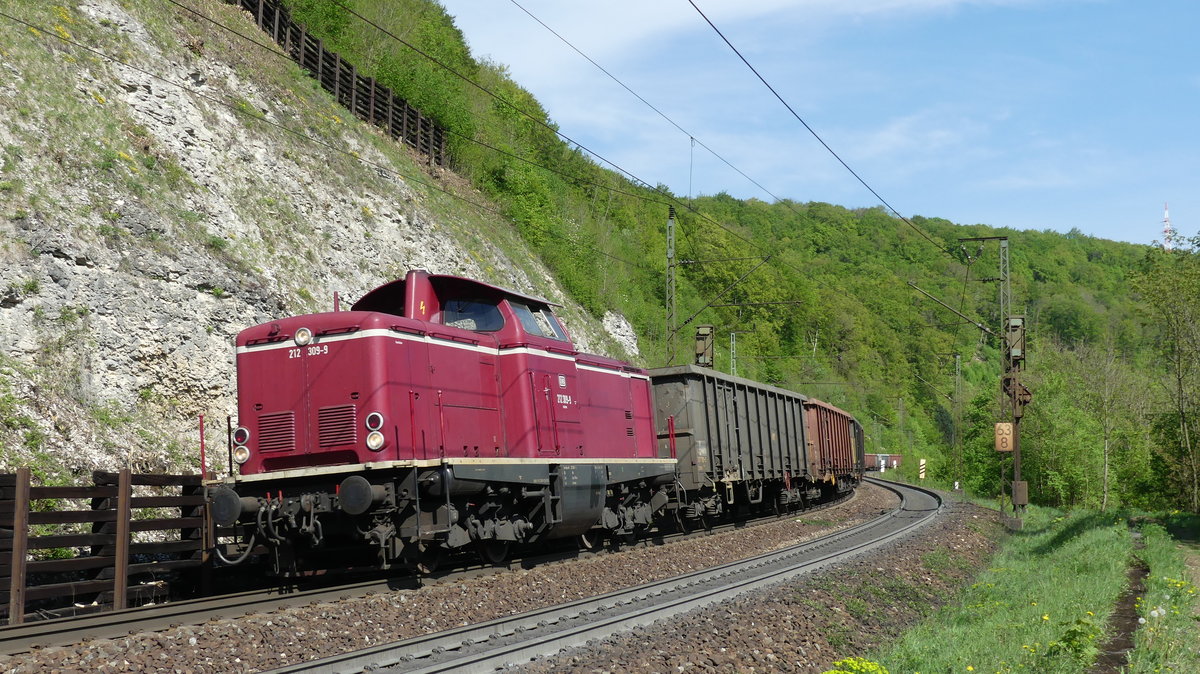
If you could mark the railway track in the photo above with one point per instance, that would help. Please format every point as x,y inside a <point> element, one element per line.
<point>63,631</point>
<point>545,632</point>
<point>34,635</point>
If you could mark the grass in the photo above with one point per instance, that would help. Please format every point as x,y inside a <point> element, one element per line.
<point>1044,604</point>
<point>1169,640</point>
<point>1041,607</point>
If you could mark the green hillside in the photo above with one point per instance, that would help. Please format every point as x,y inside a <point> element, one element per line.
<point>831,312</point>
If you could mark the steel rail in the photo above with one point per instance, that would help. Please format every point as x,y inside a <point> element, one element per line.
<point>544,632</point>
<point>32,635</point>
<point>28,636</point>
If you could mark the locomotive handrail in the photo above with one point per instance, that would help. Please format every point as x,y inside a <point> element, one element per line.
<point>455,337</point>
<point>339,331</point>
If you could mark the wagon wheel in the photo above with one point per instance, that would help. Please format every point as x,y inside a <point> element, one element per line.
<point>494,552</point>
<point>682,524</point>
<point>591,539</point>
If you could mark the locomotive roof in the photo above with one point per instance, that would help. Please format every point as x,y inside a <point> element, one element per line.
<point>389,288</point>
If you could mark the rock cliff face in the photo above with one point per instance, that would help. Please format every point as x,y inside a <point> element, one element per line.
<point>164,184</point>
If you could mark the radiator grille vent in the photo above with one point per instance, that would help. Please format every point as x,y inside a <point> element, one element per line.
<point>628,414</point>
<point>337,425</point>
<point>629,431</point>
<point>277,432</point>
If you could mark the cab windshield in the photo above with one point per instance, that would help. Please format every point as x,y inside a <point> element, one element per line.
<point>537,320</point>
<point>477,315</point>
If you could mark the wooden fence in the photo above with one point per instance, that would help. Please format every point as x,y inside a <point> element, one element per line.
<point>366,99</point>
<point>115,572</point>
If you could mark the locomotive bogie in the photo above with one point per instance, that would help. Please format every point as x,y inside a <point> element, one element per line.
<point>411,514</point>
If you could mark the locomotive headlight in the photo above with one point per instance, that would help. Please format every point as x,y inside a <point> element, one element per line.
<point>375,441</point>
<point>241,435</point>
<point>303,337</point>
<point>374,421</point>
<point>241,454</point>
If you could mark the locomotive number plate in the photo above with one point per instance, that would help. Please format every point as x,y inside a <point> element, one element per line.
<point>315,350</point>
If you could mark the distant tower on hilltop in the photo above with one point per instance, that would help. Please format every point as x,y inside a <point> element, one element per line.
<point>1168,233</point>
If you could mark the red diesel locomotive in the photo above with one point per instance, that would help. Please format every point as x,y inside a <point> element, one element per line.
<point>441,412</point>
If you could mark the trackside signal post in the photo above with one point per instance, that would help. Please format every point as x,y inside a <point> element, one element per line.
<point>704,345</point>
<point>1014,394</point>
<point>1018,397</point>
<point>670,345</point>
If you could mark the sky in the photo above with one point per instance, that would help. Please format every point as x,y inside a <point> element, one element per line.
<point>1030,114</point>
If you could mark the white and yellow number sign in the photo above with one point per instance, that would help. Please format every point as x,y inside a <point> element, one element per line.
<point>1004,436</point>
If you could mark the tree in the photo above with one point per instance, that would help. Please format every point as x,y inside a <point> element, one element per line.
<point>1169,285</point>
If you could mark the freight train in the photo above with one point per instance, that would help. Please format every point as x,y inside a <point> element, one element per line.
<point>441,413</point>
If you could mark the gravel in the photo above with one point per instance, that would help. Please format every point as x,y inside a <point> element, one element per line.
<point>807,625</point>
<point>779,630</point>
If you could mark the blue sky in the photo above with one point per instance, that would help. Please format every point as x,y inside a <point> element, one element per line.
<point>1032,114</point>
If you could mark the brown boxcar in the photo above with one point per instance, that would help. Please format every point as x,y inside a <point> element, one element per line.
<point>835,443</point>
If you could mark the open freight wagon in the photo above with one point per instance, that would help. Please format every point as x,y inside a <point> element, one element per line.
<point>743,443</point>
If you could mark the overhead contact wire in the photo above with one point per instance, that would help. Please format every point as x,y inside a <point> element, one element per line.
<point>565,175</point>
<point>271,49</point>
<point>800,119</point>
<point>261,118</point>
<point>694,140</point>
<point>543,123</point>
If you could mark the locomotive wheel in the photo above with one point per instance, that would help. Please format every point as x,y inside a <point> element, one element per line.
<point>430,558</point>
<point>494,552</point>
<point>591,540</point>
